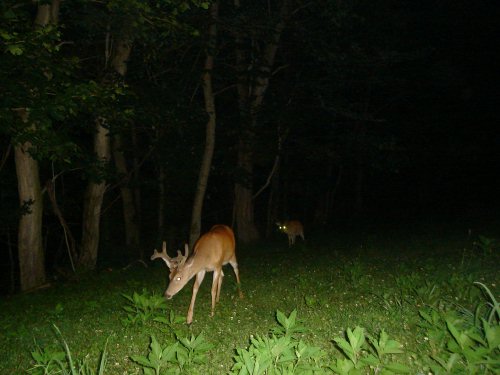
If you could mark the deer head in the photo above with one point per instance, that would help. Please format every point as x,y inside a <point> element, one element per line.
<point>172,263</point>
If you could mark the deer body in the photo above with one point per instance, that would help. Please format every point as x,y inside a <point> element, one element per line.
<point>212,250</point>
<point>292,228</point>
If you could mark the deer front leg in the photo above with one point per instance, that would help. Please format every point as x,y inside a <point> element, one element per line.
<point>196,286</point>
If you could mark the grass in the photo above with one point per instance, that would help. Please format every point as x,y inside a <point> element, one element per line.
<point>375,282</point>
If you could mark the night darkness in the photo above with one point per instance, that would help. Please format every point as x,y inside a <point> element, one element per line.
<point>367,132</point>
<point>382,112</point>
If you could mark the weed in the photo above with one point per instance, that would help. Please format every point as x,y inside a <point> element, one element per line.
<point>372,356</point>
<point>278,353</point>
<point>461,345</point>
<point>179,356</point>
<point>52,361</point>
<point>486,245</point>
<point>142,307</point>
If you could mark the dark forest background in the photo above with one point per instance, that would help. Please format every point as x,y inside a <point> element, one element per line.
<point>340,114</point>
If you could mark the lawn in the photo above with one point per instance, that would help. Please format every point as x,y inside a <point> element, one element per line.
<point>412,296</point>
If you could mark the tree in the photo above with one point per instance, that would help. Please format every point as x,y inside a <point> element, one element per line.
<point>31,257</point>
<point>208,95</point>
<point>254,68</point>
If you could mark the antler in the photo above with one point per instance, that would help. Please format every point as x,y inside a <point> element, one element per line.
<point>181,259</point>
<point>171,263</point>
<point>164,256</point>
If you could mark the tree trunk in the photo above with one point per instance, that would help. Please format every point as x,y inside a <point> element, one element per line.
<point>30,249</point>
<point>93,202</point>
<point>94,194</point>
<point>243,191</point>
<point>161,200</point>
<point>206,162</point>
<point>250,98</point>
<point>128,204</point>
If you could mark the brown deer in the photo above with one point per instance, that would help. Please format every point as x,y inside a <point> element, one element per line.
<point>212,250</point>
<point>292,228</point>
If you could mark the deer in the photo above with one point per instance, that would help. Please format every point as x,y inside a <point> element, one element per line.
<point>213,250</point>
<point>292,228</point>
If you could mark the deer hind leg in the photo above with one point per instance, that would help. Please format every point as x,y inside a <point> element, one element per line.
<point>234,264</point>
<point>221,277</point>
<point>216,283</point>
<point>196,286</point>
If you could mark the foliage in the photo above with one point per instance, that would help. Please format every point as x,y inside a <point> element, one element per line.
<point>53,361</point>
<point>486,245</point>
<point>143,307</point>
<point>279,353</point>
<point>182,354</point>
<point>462,345</point>
<point>93,306</point>
<point>362,356</point>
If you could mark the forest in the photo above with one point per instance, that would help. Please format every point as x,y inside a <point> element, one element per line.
<point>365,130</point>
<point>125,123</point>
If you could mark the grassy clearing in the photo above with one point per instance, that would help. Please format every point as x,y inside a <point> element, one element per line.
<point>378,283</point>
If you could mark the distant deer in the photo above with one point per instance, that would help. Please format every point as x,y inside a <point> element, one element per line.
<point>212,250</point>
<point>292,228</point>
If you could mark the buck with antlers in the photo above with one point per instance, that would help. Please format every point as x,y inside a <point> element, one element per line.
<point>212,250</point>
<point>292,228</point>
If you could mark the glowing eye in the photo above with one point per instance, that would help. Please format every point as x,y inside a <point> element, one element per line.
<point>178,278</point>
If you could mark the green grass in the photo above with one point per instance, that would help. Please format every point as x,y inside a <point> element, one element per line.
<point>375,282</point>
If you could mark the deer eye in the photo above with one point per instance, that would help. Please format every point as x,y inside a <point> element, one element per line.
<point>178,278</point>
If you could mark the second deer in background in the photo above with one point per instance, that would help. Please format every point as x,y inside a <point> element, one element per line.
<point>292,228</point>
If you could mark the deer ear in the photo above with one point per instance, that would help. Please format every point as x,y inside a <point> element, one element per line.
<point>186,250</point>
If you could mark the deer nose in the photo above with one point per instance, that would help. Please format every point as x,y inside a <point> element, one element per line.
<point>168,296</point>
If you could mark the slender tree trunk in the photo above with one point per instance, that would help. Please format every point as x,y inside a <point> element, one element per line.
<point>273,204</point>
<point>359,181</point>
<point>206,162</point>
<point>94,195</point>
<point>243,192</point>
<point>128,204</point>
<point>119,63</point>
<point>161,200</point>
<point>30,249</point>
<point>137,186</point>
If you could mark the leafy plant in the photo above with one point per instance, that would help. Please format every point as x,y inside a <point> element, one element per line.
<point>428,294</point>
<point>355,272</point>
<point>193,351</point>
<point>52,361</point>
<point>279,353</point>
<point>182,354</point>
<point>142,307</point>
<point>288,326</point>
<point>486,245</point>
<point>393,303</point>
<point>314,301</point>
<point>464,345</point>
<point>361,355</point>
<point>158,358</point>
<point>407,281</point>
<point>172,321</point>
